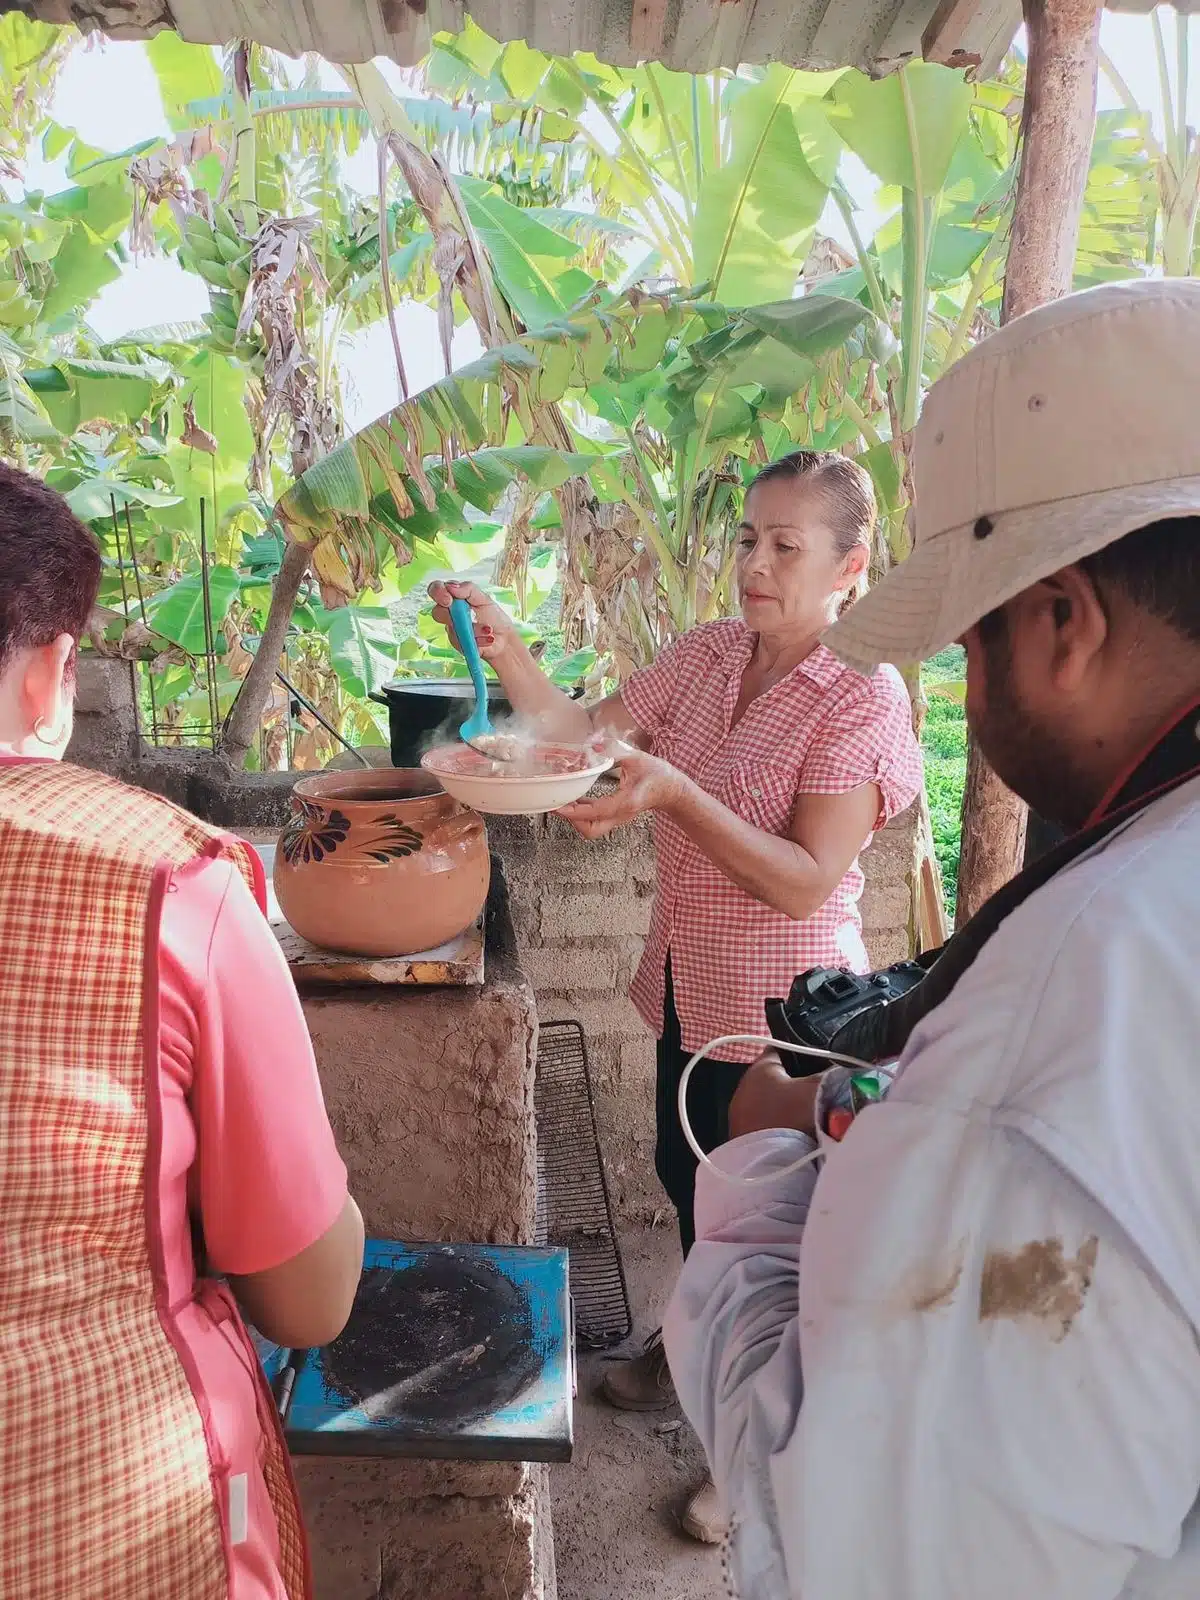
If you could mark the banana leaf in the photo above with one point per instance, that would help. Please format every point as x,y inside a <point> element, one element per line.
<point>177,612</point>
<point>75,390</point>
<point>23,417</point>
<point>904,129</point>
<point>757,213</point>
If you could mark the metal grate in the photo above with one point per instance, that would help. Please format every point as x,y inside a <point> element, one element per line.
<point>573,1208</point>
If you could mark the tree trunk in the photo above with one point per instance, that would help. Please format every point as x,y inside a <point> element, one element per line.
<point>1057,125</point>
<point>245,717</point>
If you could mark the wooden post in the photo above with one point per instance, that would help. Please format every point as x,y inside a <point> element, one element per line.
<point>1057,126</point>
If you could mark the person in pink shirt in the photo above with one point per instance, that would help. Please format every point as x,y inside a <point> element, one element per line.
<point>157,1088</point>
<point>767,766</point>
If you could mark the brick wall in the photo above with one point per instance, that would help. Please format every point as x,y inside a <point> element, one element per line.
<point>581,910</point>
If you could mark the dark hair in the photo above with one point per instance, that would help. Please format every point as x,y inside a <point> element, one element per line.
<point>1158,569</point>
<point>845,487</point>
<point>49,566</point>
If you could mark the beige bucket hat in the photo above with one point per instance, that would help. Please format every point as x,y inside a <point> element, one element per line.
<point>1064,431</point>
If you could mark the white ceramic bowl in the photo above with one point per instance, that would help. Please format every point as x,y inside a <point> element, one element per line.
<point>504,789</point>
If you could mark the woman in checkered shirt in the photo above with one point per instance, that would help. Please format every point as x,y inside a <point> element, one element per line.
<point>767,766</point>
<point>157,1091</point>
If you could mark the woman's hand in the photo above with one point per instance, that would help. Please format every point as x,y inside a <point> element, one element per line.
<point>646,784</point>
<point>768,1097</point>
<point>494,632</point>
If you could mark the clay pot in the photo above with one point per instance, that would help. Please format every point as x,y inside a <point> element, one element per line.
<point>380,863</point>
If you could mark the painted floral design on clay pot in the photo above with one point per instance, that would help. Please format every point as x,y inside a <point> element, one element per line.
<point>312,834</point>
<point>393,839</point>
<point>381,863</point>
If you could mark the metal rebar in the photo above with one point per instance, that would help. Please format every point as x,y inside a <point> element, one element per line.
<point>137,578</point>
<point>210,649</point>
<point>112,500</point>
<point>321,718</point>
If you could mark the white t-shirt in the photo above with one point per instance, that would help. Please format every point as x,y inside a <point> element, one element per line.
<point>989,1303</point>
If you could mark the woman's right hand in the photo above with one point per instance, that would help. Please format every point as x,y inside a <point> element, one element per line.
<point>494,632</point>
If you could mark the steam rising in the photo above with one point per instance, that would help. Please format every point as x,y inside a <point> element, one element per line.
<point>513,746</point>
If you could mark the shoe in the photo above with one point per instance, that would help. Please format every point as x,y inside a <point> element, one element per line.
<point>702,1518</point>
<point>642,1383</point>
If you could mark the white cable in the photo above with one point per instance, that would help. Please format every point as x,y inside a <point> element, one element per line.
<point>770,1044</point>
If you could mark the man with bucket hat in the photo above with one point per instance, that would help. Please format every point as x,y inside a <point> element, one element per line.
<point>963,1363</point>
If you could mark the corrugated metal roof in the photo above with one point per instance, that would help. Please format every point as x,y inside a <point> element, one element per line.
<point>687,35</point>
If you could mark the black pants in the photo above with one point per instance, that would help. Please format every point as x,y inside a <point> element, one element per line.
<point>710,1089</point>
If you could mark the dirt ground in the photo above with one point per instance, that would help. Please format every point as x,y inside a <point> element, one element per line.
<point>615,1533</point>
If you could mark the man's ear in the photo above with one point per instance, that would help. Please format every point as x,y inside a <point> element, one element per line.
<point>1078,622</point>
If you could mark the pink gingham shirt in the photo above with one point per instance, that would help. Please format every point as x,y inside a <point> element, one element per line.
<point>823,729</point>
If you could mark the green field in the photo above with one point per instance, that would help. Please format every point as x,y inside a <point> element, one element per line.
<point>944,740</point>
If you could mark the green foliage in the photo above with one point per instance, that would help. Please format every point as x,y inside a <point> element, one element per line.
<point>944,742</point>
<point>527,257</point>
<point>632,246</point>
<point>904,128</point>
<point>757,213</point>
<point>177,612</point>
<point>362,647</point>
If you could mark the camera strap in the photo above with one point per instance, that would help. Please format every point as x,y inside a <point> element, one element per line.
<point>881,1032</point>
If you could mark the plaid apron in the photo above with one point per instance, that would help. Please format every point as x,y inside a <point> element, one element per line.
<point>110,1486</point>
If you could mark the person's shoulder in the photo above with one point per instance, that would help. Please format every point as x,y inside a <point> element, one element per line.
<point>1087,981</point>
<point>887,682</point>
<point>882,682</point>
<point>880,690</point>
<point>1110,936</point>
<point>1131,890</point>
<point>716,638</point>
<point>197,898</point>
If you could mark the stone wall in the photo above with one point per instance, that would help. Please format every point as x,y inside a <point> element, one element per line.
<point>428,1530</point>
<point>430,1093</point>
<point>581,908</point>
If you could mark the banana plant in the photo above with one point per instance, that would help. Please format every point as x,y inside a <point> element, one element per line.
<point>56,252</point>
<point>522,267</point>
<point>1119,232</point>
<point>723,177</point>
<point>942,150</point>
<point>727,178</point>
<point>672,394</point>
<point>748,219</point>
<point>31,56</point>
<point>24,420</point>
<point>532,160</point>
<point>1173,194</point>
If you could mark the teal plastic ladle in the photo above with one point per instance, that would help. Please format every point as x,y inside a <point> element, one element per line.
<point>478,726</point>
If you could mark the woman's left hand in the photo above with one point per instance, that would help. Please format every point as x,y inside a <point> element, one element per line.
<point>647,783</point>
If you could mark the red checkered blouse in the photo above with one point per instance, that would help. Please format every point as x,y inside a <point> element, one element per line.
<point>823,729</point>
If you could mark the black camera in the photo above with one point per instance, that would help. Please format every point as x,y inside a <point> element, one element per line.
<point>825,1001</point>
